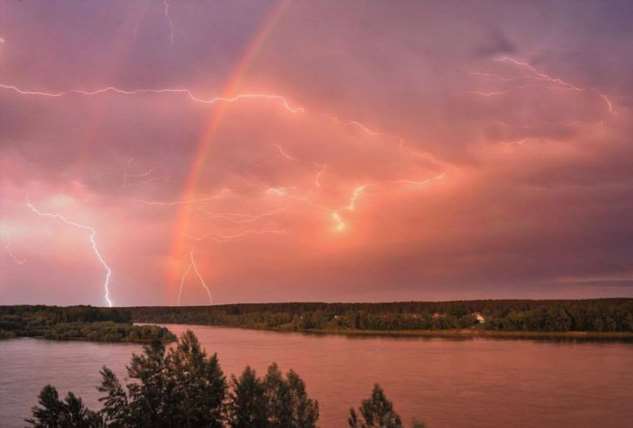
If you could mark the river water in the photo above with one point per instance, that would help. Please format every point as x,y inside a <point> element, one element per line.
<point>445,383</point>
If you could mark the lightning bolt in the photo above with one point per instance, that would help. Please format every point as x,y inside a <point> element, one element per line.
<point>241,218</point>
<point>193,266</point>
<point>283,153</point>
<point>175,203</point>
<point>92,235</point>
<point>221,238</point>
<point>277,191</point>
<point>538,74</point>
<point>127,175</point>
<point>356,194</point>
<point>425,182</point>
<point>608,102</point>
<point>317,176</point>
<point>185,273</point>
<point>197,272</point>
<point>339,223</point>
<point>281,100</point>
<point>364,128</point>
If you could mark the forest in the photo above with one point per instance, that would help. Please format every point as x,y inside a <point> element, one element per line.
<point>77,323</point>
<point>487,317</point>
<point>596,315</point>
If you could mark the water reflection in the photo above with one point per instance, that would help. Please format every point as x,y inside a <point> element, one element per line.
<point>455,382</point>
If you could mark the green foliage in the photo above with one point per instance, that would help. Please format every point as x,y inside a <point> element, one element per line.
<point>181,387</point>
<point>71,412</point>
<point>598,315</point>
<point>247,407</point>
<point>77,323</point>
<point>272,402</point>
<point>184,387</point>
<point>375,412</point>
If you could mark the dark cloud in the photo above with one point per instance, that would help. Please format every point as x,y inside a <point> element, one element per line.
<point>444,150</point>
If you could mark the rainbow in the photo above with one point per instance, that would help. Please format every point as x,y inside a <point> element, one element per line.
<point>178,246</point>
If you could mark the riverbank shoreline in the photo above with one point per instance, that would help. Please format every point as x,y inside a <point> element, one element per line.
<point>458,334</point>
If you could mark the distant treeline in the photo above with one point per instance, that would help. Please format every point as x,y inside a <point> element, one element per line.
<point>598,315</point>
<point>77,323</point>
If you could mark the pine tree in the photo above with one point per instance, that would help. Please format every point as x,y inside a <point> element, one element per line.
<point>376,412</point>
<point>247,406</point>
<point>54,413</point>
<point>200,385</point>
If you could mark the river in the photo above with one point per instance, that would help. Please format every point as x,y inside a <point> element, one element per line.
<point>445,383</point>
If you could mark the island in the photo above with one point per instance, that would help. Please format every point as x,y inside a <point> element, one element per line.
<point>77,323</point>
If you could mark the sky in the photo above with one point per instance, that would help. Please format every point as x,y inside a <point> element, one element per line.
<point>187,153</point>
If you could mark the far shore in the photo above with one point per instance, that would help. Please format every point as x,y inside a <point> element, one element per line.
<point>472,333</point>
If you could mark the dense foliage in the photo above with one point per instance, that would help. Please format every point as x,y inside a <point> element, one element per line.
<point>77,323</point>
<point>599,315</point>
<point>377,412</point>
<point>185,387</point>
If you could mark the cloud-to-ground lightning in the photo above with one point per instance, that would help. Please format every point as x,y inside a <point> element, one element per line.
<point>92,235</point>
<point>200,278</point>
<point>191,265</point>
<point>183,278</point>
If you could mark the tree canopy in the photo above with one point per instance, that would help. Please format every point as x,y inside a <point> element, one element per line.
<point>183,386</point>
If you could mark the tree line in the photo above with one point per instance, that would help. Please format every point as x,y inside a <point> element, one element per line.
<point>185,387</point>
<point>77,323</point>
<point>596,315</point>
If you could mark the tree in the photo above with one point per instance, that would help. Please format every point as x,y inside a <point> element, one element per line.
<point>115,412</point>
<point>150,398</point>
<point>277,396</point>
<point>200,386</point>
<point>304,411</point>
<point>54,413</point>
<point>183,387</point>
<point>287,401</point>
<point>376,412</point>
<point>247,406</point>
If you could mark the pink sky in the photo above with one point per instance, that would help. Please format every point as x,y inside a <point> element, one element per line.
<point>289,151</point>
